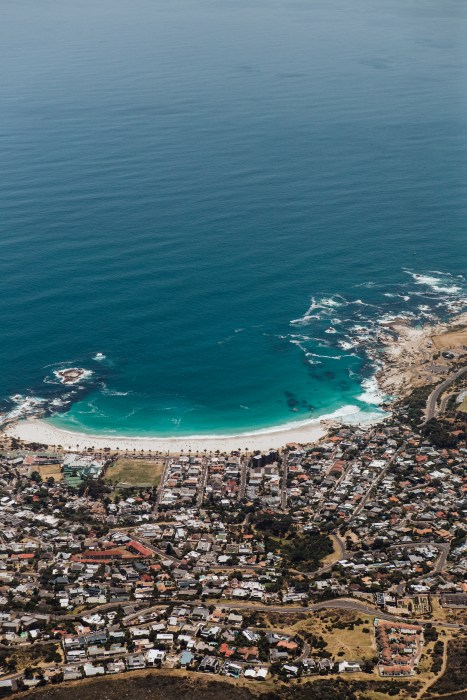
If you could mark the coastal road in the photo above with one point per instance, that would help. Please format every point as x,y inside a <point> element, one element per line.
<point>433,398</point>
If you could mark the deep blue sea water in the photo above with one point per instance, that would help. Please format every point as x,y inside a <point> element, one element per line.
<point>224,199</point>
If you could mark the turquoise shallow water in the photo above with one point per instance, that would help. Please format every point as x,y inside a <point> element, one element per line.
<point>223,199</point>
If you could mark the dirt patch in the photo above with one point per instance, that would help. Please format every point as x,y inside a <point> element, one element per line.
<point>134,472</point>
<point>452,340</point>
<point>48,470</point>
<point>32,656</point>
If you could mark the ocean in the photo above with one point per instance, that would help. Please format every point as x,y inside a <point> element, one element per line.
<point>211,206</point>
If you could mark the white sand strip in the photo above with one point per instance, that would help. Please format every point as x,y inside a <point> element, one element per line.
<point>39,430</point>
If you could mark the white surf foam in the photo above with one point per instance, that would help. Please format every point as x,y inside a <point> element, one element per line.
<point>58,403</point>
<point>325,357</point>
<point>24,406</point>
<point>371,394</point>
<point>366,418</point>
<point>345,344</point>
<point>303,320</point>
<point>317,308</point>
<point>331,301</point>
<point>435,283</point>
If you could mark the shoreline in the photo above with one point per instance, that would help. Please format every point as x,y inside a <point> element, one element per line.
<point>302,432</point>
<point>413,359</point>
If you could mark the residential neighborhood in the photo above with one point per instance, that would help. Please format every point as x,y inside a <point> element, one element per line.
<point>110,577</point>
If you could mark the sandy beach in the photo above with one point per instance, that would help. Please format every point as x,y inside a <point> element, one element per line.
<point>38,430</point>
<point>302,432</point>
<point>413,359</point>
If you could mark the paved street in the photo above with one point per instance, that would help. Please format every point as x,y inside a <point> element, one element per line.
<point>432,402</point>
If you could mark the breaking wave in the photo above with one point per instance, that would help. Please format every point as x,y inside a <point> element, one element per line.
<point>371,394</point>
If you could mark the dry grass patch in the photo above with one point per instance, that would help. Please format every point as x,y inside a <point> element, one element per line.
<point>346,633</point>
<point>48,470</point>
<point>356,644</point>
<point>32,656</point>
<point>135,472</point>
<point>456,615</point>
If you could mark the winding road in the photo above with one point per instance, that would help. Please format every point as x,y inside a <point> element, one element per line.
<point>336,603</point>
<point>433,398</point>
